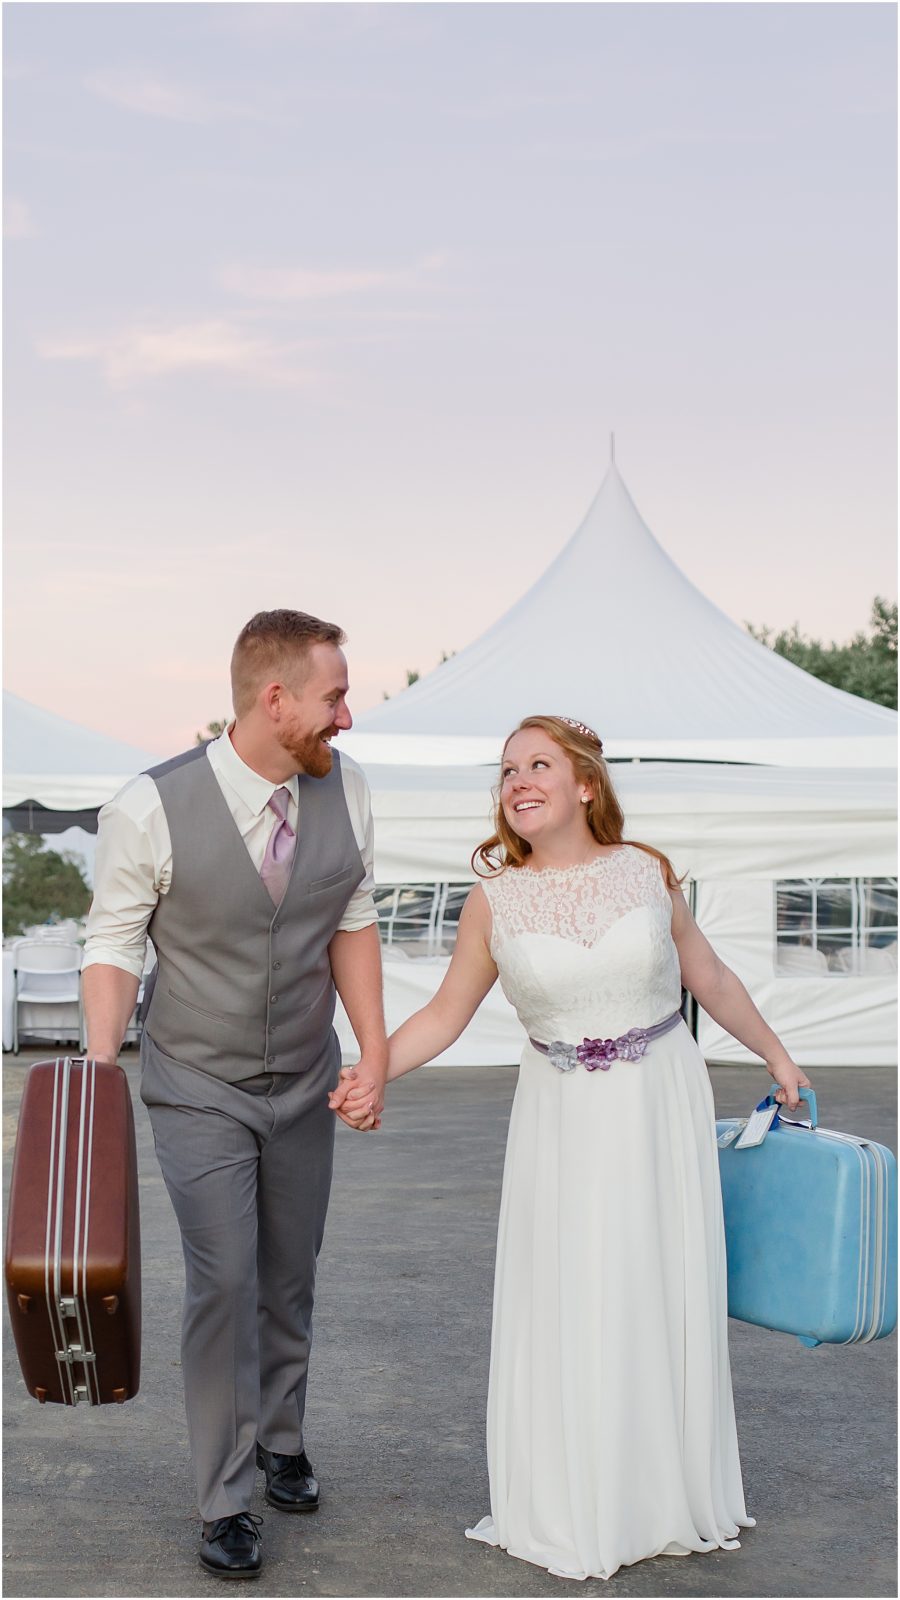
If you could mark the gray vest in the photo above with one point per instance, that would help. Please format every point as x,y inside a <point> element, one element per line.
<point>243,987</point>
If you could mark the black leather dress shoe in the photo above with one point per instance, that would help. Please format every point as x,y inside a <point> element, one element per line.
<point>290,1481</point>
<point>230,1546</point>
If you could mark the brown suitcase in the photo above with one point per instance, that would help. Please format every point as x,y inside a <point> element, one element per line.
<point>73,1255</point>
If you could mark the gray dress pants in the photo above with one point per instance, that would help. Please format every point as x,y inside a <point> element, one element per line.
<point>248,1169</point>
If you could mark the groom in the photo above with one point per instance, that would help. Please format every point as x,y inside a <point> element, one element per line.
<point>248,861</point>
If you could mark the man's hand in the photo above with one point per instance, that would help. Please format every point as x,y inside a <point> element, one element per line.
<point>355,958</point>
<point>358,1097</point>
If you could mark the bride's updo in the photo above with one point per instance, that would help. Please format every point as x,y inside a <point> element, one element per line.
<point>605,818</point>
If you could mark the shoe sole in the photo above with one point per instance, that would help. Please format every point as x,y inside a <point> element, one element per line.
<point>223,1572</point>
<point>277,1505</point>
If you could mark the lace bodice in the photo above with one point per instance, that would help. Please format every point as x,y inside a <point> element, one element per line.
<point>586,951</point>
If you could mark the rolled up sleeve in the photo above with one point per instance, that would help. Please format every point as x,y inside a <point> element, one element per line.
<point>127,879</point>
<point>360,911</point>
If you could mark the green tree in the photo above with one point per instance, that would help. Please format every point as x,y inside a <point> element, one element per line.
<point>213,729</point>
<point>866,666</point>
<point>39,883</point>
<point>412,675</point>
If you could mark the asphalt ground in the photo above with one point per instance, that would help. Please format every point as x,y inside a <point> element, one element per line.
<point>101,1501</point>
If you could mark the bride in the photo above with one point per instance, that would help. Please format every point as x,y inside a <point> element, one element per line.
<point>610,1429</point>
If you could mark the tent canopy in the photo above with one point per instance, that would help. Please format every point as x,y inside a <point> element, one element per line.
<point>616,635</point>
<point>49,762</point>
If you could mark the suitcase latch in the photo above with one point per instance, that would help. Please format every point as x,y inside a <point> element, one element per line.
<point>74,1353</point>
<point>67,1308</point>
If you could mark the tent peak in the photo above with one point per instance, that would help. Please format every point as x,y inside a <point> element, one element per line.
<point>666,671</point>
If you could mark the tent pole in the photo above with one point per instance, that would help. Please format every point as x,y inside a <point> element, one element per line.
<point>692,1008</point>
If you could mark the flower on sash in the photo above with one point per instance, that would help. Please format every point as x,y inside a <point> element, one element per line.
<point>594,1053</point>
<point>563,1056</point>
<point>632,1045</point>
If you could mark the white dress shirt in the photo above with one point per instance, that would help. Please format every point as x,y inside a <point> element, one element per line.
<point>133,865</point>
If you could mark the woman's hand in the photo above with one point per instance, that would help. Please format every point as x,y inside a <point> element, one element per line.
<point>723,996</point>
<point>354,1101</point>
<point>430,1031</point>
<point>790,1078</point>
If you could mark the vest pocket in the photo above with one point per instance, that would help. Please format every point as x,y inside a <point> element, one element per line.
<point>215,1016</point>
<point>319,884</point>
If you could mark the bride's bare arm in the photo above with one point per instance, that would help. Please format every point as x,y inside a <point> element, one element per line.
<point>469,977</point>
<point>722,995</point>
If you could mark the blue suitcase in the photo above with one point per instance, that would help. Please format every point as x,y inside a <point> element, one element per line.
<point>810,1230</point>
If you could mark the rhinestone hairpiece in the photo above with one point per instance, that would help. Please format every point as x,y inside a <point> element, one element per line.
<point>583,728</point>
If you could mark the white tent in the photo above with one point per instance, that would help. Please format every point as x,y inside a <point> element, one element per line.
<point>616,635</point>
<point>738,831</point>
<point>772,790</point>
<point>754,842</point>
<point>763,823</point>
<point>52,764</point>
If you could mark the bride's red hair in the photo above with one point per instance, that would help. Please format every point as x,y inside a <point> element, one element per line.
<point>606,820</point>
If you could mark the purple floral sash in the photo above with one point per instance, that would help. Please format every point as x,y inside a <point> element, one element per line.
<point>594,1053</point>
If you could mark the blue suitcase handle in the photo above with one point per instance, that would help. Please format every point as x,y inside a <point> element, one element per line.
<point>809,1095</point>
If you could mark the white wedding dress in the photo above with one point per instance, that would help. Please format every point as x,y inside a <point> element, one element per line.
<point>610,1431</point>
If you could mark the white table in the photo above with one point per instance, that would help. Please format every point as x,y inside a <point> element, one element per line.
<point>9,990</point>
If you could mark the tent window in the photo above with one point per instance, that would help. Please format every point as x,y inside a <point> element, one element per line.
<point>420,919</point>
<point>840,927</point>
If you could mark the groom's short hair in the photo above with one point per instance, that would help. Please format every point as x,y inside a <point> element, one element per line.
<point>274,644</point>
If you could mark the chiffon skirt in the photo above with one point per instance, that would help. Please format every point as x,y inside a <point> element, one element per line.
<point>611,1432</point>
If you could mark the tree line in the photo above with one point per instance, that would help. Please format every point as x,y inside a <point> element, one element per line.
<point>866,666</point>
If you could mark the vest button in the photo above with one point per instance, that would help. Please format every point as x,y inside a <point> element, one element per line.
<point>269,1060</point>
<point>273,999</point>
<point>276,927</point>
<point>276,966</point>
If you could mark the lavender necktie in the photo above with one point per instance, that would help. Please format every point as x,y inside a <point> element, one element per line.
<point>279,856</point>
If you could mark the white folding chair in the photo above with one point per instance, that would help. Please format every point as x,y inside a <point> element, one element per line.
<point>48,973</point>
<point>878,959</point>
<point>868,961</point>
<point>800,958</point>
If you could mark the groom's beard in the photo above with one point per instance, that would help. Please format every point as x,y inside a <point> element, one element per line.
<point>311,755</point>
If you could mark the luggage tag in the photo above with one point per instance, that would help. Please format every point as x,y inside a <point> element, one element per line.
<point>729,1134</point>
<point>764,1117</point>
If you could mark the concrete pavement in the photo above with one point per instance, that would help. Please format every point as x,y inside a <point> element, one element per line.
<point>100,1502</point>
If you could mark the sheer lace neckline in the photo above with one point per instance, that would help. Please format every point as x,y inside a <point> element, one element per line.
<point>578,903</point>
<point>580,866</point>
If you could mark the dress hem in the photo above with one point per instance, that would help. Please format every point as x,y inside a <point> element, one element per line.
<point>485,1532</point>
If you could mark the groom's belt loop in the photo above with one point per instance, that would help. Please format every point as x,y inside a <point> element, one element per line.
<point>593,1053</point>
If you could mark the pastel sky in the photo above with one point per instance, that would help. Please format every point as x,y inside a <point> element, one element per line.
<point>335,306</point>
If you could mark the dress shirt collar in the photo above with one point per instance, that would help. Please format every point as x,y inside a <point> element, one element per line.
<point>250,787</point>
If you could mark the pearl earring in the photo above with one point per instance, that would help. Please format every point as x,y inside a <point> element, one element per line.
<point>585,799</point>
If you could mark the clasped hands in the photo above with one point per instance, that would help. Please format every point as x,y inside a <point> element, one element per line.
<point>358,1097</point>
